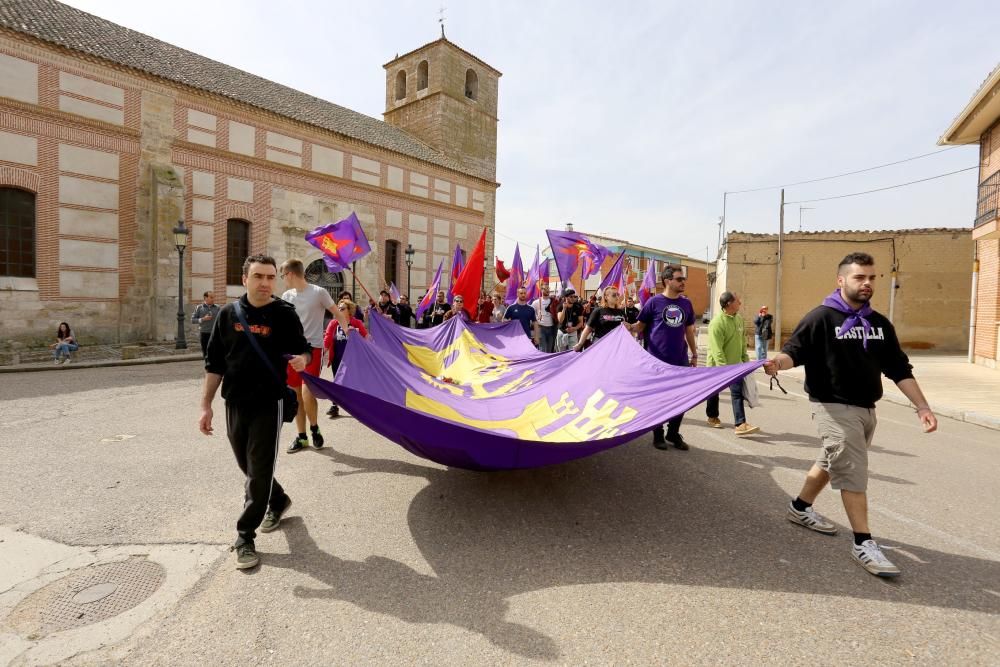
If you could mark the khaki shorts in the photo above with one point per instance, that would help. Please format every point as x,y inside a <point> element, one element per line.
<point>847,432</point>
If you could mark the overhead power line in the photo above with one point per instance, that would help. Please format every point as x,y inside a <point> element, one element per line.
<point>888,187</point>
<point>846,173</point>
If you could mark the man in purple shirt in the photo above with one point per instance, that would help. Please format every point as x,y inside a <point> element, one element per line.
<point>667,324</point>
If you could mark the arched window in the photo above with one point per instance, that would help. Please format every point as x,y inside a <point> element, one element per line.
<point>392,262</point>
<point>318,274</point>
<point>17,233</point>
<point>400,85</point>
<point>237,249</point>
<point>422,75</point>
<point>471,84</point>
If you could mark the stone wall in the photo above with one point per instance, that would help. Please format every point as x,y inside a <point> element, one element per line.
<point>931,309</point>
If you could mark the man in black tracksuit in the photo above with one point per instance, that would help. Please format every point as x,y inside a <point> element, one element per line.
<point>254,396</point>
<point>845,347</point>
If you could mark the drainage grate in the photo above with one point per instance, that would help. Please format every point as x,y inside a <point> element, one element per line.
<point>86,596</point>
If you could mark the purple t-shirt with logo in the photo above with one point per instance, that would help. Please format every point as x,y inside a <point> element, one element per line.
<point>666,321</point>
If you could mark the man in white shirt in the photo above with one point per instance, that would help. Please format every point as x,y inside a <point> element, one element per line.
<point>311,303</point>
<point>546,322</point>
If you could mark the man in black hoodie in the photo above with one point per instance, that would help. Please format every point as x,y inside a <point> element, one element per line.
<point>254,395</point>
<point>845,347</point>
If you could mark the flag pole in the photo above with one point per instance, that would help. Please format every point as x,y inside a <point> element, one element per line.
<point>355,277</point>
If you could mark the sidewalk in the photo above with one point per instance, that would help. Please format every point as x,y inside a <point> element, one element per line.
<point>98,356</point>
<point>953,387</point>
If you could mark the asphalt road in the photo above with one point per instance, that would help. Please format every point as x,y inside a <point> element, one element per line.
<point>633,555</point>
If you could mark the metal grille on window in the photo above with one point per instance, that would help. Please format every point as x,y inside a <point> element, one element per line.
<point>237,250</point>
<point>391,262</point>
<point>17,233</point>
<point>318,274</point>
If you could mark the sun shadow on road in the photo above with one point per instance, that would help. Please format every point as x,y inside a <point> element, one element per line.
<point>634,515</point>
<point>387,586</point>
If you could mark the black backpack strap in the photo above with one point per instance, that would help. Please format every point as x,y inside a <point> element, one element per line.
<point>238,309</point>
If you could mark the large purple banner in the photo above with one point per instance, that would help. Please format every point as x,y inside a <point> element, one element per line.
<point>481,397</point>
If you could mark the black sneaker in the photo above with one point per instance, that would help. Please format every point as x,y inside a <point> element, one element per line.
<point>272,519</point>
<point>246,556</point>
<point>317,439</point>
<point>333,412</point>
<point>298,444</point>
<point>678,442</point>
<point>658,441</point>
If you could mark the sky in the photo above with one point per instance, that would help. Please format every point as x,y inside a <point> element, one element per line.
<point>632,119</point>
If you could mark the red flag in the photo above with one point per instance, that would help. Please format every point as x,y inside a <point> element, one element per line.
<point>468,282</point>
<point>502,272</point>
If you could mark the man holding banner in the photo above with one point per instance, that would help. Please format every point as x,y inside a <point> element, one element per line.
<point>667,322</point>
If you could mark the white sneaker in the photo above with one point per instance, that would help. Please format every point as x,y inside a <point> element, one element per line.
<point>811,520</point>
<point>870,556</point>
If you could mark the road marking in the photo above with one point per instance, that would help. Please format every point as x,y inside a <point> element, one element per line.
<point>118,438</point>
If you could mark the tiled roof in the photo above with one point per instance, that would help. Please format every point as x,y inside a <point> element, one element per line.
<point>73,29</point>
<point>916,230</point>
<point>964,113</point>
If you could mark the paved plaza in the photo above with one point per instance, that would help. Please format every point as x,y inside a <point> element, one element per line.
<point>634,555</point>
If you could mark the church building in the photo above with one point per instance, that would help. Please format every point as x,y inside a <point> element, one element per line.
<point>109,138</point>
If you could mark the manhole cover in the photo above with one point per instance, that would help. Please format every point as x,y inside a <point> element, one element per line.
<point>86,596</point>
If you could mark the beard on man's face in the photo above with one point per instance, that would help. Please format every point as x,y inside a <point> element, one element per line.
<point>859,294</point>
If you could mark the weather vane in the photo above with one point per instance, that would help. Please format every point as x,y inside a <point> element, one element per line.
<point>441,19</point>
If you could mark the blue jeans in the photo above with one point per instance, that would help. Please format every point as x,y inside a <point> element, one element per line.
<point>736,392</point>
<point>546,338</point>
<point>761,348</point>
<point>64,349</point>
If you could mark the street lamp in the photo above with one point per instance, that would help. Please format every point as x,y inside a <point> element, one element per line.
<point>409,252</point>
<point>180,242</point>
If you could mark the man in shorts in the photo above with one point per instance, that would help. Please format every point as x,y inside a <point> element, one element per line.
<point>845,347</point>
<point>311,303</point>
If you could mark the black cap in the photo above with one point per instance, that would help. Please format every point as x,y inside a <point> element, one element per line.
<point>569,292</point>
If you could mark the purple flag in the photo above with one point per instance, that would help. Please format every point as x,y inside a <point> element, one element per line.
<point>616,276</point>
<point>543,273</point>
<point>572,249</point>
<point>481,397</point>
<point>393,293</point>
<point>431,295</point>
<point>531,281</point>
<point>647,290</point>
<point>516,277</point>
<point>457,264</point>
<point>341,242</point>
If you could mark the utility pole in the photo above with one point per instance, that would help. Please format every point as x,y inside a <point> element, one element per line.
<point>777,284</point>
<point>722,223</point>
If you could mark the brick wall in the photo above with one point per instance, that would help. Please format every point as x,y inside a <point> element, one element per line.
<point>931,309</point>
<point>987,346</point>
<point>116,158</point>
<point>988,303</point>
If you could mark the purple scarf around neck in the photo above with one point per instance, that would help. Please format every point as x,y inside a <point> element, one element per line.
<point>836,301</point>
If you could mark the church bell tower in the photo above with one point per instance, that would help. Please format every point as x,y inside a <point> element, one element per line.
<point>447,98</point>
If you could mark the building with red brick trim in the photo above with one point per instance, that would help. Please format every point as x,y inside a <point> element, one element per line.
<point>979,122</point>
<point>109,137</point>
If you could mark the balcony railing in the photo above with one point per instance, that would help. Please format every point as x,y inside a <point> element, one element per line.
<point>989,200</point>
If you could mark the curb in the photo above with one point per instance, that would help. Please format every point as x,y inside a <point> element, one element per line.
<point>969,417</point>
<point>102,364</point>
